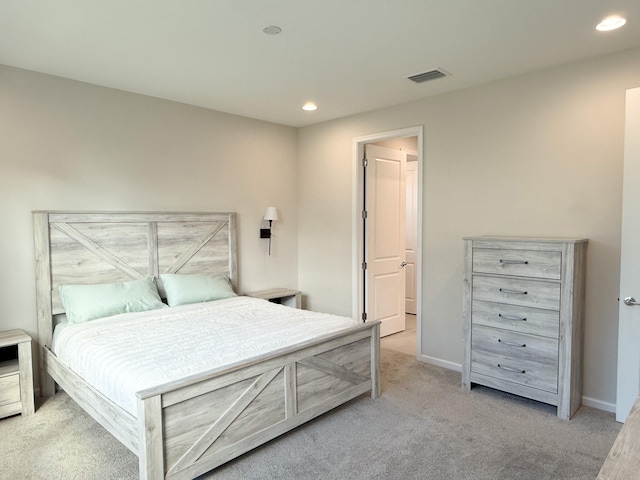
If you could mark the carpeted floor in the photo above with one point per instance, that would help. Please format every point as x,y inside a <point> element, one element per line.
<point>423,427</point>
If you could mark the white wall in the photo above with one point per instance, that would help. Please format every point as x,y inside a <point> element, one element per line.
<point>68,145</point>
<point>539,154</point>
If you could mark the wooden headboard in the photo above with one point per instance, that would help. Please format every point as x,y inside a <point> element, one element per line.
<point>106,247</point>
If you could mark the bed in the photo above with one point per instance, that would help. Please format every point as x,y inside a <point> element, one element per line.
<point>186,426</point>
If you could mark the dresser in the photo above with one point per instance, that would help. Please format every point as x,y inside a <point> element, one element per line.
<point>523,317</point>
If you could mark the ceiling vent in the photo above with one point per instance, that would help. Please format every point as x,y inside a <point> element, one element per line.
<point>427,76</point>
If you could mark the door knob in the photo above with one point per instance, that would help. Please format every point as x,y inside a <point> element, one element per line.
<point>403,264</point>
<point>631,301</point>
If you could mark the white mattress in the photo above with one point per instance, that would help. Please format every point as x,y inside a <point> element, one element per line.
<point>126,353</point>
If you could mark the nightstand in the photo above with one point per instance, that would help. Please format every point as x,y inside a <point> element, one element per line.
<point>16,374</point>
<point>284,296</point>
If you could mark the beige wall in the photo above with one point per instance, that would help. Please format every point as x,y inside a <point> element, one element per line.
<point>539,154</point>
<point>68,145</point>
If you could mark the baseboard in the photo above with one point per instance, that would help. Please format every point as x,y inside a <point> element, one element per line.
<point>441,363</point>
<point>599,404</point>
<point>589,402</point>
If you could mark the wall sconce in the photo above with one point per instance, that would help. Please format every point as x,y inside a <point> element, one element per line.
<point>270,214</point>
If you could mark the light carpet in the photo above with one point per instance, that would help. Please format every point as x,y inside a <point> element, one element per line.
<point>424,426</point>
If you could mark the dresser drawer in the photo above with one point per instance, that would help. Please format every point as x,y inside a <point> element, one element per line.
<point>516,318</point>
<point>9,389</point>
<point>522,263</point>
<point>523,372</point>
<point>515,291</point>
<point>515,345</point>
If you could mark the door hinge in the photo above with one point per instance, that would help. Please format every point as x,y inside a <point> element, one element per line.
<point>365,162</point>
<point>364,317</point>
<point>364,265</point>
<point>364,214</point>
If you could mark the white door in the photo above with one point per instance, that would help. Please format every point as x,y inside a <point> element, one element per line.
<point>385,237</point>
<point>629,317</point>
<point>411,240</point>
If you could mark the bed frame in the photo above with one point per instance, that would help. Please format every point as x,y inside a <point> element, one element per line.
<point>190,426</point>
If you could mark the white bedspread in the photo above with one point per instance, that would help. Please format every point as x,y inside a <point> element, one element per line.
<point>126,353</point>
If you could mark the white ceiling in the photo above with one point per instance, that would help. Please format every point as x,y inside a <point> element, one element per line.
<point>349,56</point>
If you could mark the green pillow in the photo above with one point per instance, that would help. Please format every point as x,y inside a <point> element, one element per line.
<point>88,302</point>
<point>182,289</point>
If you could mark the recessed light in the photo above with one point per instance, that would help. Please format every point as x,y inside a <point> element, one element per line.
<point>611,23</point>
<point>272,30</point>
<point>309,107</point>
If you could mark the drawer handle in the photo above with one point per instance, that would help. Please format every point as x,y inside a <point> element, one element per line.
<point>511,344</point>
<point>514,262</point>
<point>511,317</point>
<point>511,369</point>
<point>514,292</point>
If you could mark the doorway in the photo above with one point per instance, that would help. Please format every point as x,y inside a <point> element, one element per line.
<point>367,289</point>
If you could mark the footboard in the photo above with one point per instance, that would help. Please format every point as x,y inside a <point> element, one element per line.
<point>192,426</point>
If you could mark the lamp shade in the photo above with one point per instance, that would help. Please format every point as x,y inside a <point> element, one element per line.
<point>271,213</point>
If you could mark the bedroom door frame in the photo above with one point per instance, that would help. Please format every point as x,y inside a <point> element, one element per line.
<point>358,147</point>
